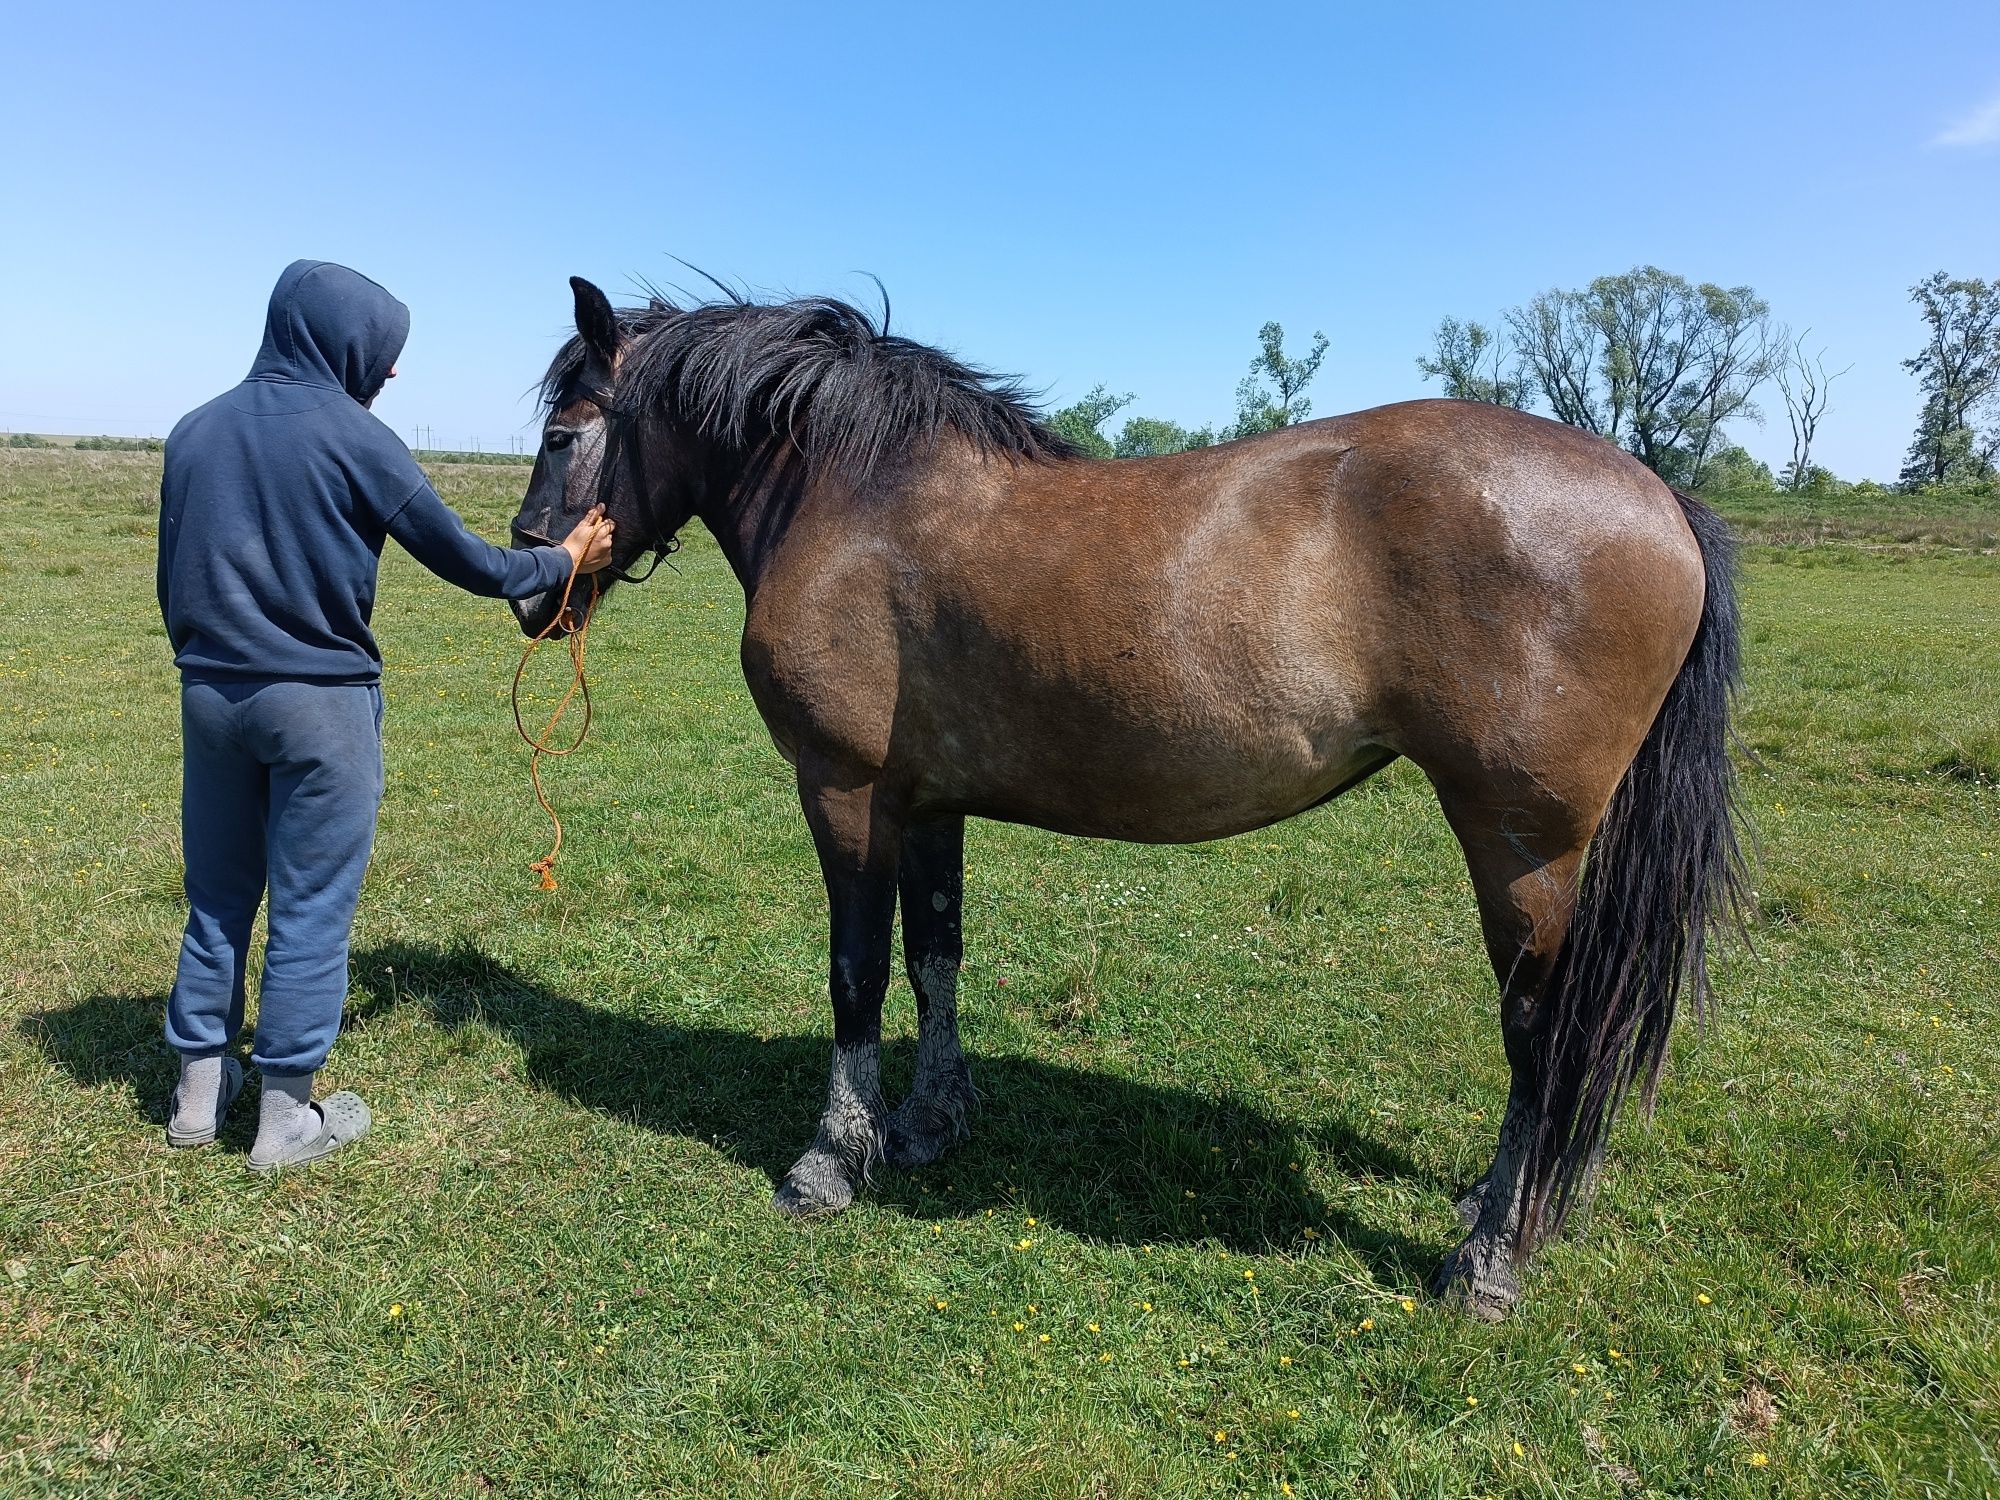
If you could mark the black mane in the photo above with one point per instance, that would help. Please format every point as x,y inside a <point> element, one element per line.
<point>851,395</point>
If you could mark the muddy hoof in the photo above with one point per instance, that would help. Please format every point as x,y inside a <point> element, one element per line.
<point>1478,1281</point>
<point>919,1132</point>
<point>814,1188</point>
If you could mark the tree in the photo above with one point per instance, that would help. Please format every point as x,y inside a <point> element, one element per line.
<point>1472,361</point>
<point>1080,422</point>
<point>1959,370</point>
<point>1153,437</point>
<point>1680,361</point>
<point>1259,409</point>
<point>1563,347</point>
<point>1649,360</point>
<point>1804,383</point>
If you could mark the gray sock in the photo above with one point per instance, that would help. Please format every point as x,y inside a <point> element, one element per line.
<point>285,1116</point>
<point>199,1093</point>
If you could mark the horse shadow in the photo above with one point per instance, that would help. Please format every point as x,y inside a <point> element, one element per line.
<point>1112,1159</point>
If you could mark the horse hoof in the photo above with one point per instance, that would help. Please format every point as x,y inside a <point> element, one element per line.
<point>1480,1284</point>
<point>907,1150</point>
<point>918,1134</point>
<point>813,1189</point>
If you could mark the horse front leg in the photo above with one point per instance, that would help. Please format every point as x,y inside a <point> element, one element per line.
<point>931,879</point>
<point>858,837</point>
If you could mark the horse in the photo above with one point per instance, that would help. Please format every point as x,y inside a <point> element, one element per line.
<point>950,613</point>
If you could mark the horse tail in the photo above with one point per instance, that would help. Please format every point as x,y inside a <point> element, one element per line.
<point>1665,869</point>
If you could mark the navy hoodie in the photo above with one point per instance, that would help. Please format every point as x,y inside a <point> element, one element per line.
<point>277,497</point>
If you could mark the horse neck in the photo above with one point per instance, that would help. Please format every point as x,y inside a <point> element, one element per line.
<point>749,500</point>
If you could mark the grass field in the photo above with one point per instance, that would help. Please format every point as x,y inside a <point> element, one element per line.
<point>1231,1091</point>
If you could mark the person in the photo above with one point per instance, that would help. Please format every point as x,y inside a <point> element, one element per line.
<point>275,501</point>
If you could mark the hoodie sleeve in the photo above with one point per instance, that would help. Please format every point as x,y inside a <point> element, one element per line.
<point>432,533</point>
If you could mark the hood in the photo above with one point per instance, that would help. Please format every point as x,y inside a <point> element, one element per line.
<point>331,326</point>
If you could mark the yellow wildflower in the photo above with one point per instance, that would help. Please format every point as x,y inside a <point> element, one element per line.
<point>1759,1460</point>
<point>1409,1306</point>
<point>1703,1298</point>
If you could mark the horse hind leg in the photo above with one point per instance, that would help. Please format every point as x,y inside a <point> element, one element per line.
<point>1524,872</point>
<point>931,879</point>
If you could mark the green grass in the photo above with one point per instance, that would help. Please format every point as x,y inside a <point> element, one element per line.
<point>553,1269</point>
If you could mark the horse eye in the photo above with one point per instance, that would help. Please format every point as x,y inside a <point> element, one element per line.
<point>557,438</point>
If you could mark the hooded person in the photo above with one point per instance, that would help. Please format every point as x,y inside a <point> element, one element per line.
<point>275,502</point>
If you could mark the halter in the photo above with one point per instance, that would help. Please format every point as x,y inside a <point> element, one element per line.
<point>618,423</point>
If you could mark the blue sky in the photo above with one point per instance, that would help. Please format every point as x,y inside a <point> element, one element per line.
<point>1115,193</point>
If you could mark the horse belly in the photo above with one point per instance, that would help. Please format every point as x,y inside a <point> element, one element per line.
<point>1166,761</point>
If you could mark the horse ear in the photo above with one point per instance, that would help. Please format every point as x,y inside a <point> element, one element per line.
<point>595,320</point>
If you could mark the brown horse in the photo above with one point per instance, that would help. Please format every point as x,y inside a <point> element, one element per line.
<point>950,613</point>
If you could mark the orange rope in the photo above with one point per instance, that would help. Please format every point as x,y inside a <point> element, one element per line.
<point>538,745</point>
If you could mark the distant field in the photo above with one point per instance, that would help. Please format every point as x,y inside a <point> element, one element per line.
<point>1231,1091</point>
<point>1966,522</point>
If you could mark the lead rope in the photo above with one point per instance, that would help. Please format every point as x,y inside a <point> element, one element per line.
<point>538,745</point>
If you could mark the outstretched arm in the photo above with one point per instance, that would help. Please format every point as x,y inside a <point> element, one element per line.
<point>432,533</point>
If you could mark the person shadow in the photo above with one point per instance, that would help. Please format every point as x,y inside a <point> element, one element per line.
<point>1113,1159</point>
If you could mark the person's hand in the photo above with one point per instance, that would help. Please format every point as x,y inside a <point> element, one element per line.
<point>589,541</point>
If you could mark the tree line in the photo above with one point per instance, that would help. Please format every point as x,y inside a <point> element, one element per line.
<point>1654,363</point>
<point>1271,396</point>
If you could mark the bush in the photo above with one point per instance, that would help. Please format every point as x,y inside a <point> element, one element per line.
<point>1734,470</point>
<point>121,445</point>
<point>1817,481</point>
<point>27,440</point>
